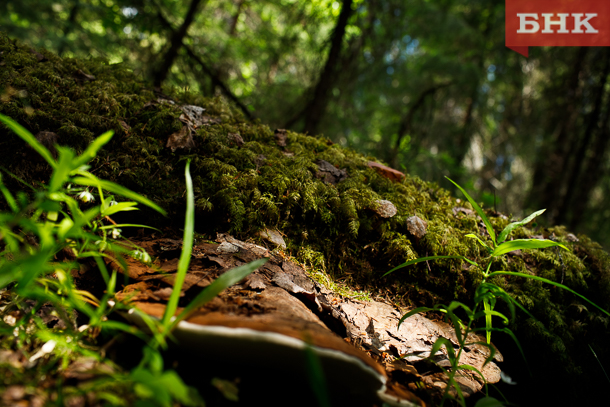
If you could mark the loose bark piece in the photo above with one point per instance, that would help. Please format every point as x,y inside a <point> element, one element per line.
<point>273,236</point>
<point>417,226</point>
<point>385,209</point>
<point>329,173</point>
<point>280,137</point>
<point>235,139</point>
<point>181,139</point>
<point>376,324</point>
<point>386,171</point>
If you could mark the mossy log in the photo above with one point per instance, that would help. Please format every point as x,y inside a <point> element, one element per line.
<point>249,178</point>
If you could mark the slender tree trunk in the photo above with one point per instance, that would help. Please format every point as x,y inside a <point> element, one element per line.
<point>70,23</point>
<point>175,44</point>
<point>405,123</point>
<point>593,172</point>
<point>577,173</point>
<point>547,182</point>
<point>316,107</point>
<point>463,139</point>
<point>217,82</point>
<point>234,21</point>
<point>214,78</point>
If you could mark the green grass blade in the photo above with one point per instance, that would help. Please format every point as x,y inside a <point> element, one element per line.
<point>119,207</point>
<point>127,225</point>
<point>419,310</point>
<point>492,350</point>
<point>474,369</point>
<point>515,225</point>
<point>489,402</point>
<point>10,200</point>
<point>225,280</point>
<point>187,248</point>
<point>419,260</point>
<point>544,280</point>
<point>92,181</point>
<point>61,173</point>
<point>600,363</point>
<point>315,373</point>
<point>513,337</point>
<point>488,311</point>
<point>92,149</point>
<point>473,236</point>
<point>479,211</point>
<point>438,344</point>
<point>28,138</point>
<point>519,244</point>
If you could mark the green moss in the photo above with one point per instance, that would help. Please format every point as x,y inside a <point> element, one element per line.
<point>332,229</point>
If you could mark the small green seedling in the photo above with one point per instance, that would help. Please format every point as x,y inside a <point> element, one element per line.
<point>36,229</point>
<point>486,296</point>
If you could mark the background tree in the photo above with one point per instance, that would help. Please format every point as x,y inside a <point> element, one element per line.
<point>427,86</point>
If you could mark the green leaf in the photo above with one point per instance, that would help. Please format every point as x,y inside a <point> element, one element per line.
<point>10,200</point>
<point>92,181</point>
<point>187,248</point>
<point>490,313</point>
<point>509,228</point>
<point>419,310</point>
<point>474,369</point>
<point>419,260</point>
<point>479,211</point>
<point>61,173</point>
<point>488,402</point>
<point>485,290</point>
<point>127,225</point>
<point>28,138</point>
<point>519,244</point>
<point>119,207</point>
<point>544,280</point>
<point>473,236</point>
<point>492,350</point>
<point>438,344</point>
<point>225,280</point>
<point>92,149</point>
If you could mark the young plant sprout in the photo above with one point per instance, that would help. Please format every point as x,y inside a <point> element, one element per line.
<point>485,299</point>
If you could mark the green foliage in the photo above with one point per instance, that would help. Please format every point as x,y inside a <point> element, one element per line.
<point>486,295</point>
<point>33,233</point>
<point>330,228</point>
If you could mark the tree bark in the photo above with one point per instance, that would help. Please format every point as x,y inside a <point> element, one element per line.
<point>175,44</point>
<point>316,107</point>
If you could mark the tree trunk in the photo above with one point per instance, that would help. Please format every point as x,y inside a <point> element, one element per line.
<point>214,78</point>
<point>405,123</point>
<point>316,107</point>
<point>592,174</point>
<point>70,23</point>
<point>175,44</point>
<point>547,183</point>
<point>577,173</point>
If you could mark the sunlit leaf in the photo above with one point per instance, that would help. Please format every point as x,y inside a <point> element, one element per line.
<point>520,244</point>
<point>419,260</point>
<point>509,228</point>
<point>479,211</point>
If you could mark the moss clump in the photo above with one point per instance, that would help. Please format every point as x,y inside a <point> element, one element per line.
<point>244,187</point>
